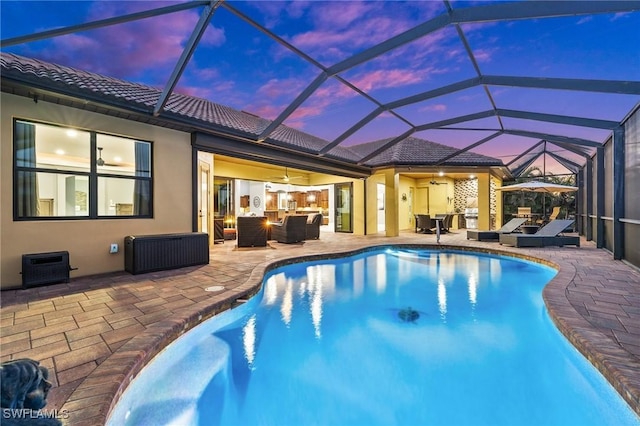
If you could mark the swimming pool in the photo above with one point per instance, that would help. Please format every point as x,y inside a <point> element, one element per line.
<point>329,342</point>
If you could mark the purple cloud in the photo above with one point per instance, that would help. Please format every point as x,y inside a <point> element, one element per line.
<point>147,47</point>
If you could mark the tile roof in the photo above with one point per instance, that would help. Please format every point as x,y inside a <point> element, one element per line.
<point>142,99</point>
<point>413,150</point>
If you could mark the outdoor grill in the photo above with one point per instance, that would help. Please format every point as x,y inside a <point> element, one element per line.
<point>471,217</point>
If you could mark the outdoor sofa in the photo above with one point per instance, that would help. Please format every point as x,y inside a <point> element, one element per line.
<point>548,235</point>
<point>252,231</point>
<point>507,228</point>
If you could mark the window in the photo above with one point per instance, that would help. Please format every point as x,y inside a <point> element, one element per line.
<point>69,173</point>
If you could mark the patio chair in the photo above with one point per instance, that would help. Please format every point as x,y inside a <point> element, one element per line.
<point>252,231</point>
<point>313,226</point>
<point>553,216</point>
<point>424,223</point>
<point>444,221</point>
<point>293,229</point>
<point>548,235</point>
<point>507,228</point>
<point>447,221</point>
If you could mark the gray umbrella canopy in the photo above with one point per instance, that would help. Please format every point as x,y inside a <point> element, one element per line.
<point>537,186</point>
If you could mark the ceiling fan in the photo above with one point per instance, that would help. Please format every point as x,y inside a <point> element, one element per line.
<point>286,177</point>
<point>435,182</point>
<point>100,161</point>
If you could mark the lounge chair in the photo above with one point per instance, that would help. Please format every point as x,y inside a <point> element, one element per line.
<point>553,216</point>
<point>507,228</point>
<point>293,229</point>
<point>546,236</point>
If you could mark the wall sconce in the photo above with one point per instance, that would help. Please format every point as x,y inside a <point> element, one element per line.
<point>404,197</point>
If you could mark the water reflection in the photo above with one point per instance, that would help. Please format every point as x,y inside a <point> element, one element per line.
<point>473,287</point>
<point>316,291</point>
<point>287,303</point>
<point>249,340</point>
<point>310,287</point>
<point>442,299</point>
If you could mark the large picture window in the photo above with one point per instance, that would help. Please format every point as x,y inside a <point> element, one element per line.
<point>70,173</point>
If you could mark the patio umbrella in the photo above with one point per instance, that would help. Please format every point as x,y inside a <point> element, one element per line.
<point>537,186</point>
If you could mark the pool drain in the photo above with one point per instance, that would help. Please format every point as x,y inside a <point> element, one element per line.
<point>408,314</point>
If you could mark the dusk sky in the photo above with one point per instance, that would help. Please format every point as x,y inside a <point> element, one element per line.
<point>238,66</point>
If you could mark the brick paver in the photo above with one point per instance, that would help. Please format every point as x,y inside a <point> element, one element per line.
<point>96,333</point>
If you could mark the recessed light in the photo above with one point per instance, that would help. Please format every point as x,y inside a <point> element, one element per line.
<point>472,176</point>
<point>60,151</point>
<point>441,174</point>
<point>72,133</point>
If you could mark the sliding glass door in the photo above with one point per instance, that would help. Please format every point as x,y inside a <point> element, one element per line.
<point>344,207</point>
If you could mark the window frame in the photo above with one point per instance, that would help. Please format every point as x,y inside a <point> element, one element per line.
<point>93,176</point>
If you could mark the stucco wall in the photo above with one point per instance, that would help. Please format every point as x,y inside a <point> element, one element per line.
<point>87,241</point>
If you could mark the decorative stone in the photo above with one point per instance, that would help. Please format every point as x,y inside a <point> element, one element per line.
<point>24,387</point>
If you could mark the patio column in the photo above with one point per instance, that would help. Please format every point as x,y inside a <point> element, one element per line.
<point>499,206</point>
<point>618,192</point>
<point>484,201</point>
<point>599,197</point>
<point>580,197</point>
<point>589,199</point>
<point>391,195</point>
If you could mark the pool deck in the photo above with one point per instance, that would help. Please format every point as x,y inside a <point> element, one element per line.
<point>96,333</point>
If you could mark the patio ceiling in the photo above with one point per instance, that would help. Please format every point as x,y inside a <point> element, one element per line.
<point>517,81</point>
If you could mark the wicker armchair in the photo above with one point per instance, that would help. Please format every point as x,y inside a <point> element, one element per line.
<point>293,229</point>
<point>252,231</point>
<point>313,226</point>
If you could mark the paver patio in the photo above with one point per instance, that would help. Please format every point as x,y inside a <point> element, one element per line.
<point>96,333</point>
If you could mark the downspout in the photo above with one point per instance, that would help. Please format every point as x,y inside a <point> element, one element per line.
<point>364,180</point>
<point>194,185</point>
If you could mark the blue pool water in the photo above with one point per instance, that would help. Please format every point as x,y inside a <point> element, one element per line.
<point>324,343</point>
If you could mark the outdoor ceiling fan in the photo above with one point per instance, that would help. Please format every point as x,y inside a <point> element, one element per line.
<point>435,182</point>
<point>286,177</point>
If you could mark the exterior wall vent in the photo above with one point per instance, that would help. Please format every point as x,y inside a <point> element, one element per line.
<point>45,268</point>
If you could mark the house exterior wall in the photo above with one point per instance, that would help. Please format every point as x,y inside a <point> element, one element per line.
<point>372,202</point>
<point>484,201</point>
<point>405,204</point>
<point>88,241</point>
